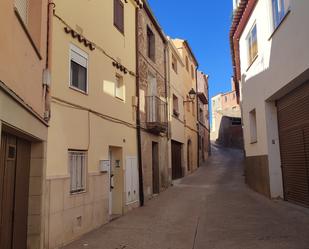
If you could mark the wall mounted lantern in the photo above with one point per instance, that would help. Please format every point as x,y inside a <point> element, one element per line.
<point>191,97</point>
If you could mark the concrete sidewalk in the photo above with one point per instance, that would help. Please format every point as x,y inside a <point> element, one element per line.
<point>210,209</point>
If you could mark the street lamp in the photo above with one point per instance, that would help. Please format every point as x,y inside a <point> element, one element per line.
<point>192,95</point>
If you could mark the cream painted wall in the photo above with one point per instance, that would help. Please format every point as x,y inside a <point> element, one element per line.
<point>176,88</point>
<point>282,56</point>
<point>69,127</point>
<point>190,117</point>
<point>20,67</point>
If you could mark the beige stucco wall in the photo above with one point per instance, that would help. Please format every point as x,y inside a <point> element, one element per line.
<point>20,67</point>
<point>282,57</point>
<point>191,131</point>
<point>176,87</point>
<point>104,121</point>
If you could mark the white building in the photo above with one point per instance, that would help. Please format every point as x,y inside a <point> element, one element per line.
<point>271,63</point>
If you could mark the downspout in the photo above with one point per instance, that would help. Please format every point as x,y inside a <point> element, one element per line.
<point>46,88</point>
<point>138,120</point>
<point>167,95</point>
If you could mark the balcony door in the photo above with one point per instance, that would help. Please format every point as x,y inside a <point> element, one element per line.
<point>152,95</point>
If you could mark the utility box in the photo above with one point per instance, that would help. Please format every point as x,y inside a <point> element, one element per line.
<point>104,166</point>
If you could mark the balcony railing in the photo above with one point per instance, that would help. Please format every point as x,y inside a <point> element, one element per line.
<point>156,114</point>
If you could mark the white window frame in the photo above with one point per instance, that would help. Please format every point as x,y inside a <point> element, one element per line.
<point>76,188</point>
<point>117,88</point>
<point>251,60</point>
<point>83,55</point>
<point>285,5</point>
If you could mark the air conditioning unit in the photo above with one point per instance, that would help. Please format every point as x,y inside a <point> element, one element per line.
<point>104,166</point>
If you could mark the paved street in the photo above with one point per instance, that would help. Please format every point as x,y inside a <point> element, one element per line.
<point>211,209</point>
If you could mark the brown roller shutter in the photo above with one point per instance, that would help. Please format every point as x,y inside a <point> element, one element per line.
<point>293,121</point>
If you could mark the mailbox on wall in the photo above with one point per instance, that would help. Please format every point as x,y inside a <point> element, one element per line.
<point>104,166</point>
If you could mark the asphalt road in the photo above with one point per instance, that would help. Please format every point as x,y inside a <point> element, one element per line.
<point>210,209</point>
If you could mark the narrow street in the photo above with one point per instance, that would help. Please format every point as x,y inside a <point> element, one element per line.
<point>209,209</point>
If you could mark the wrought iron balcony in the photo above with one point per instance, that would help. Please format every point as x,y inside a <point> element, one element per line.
<point>156,114</point>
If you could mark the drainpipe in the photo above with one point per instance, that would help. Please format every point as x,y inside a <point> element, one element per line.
<point>167,95</point>
<point>46,88</point>
<point>138,120</point>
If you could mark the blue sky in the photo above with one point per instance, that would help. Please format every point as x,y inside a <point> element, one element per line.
<point>205,24</point>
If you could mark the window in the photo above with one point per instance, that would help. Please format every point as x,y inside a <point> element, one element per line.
<point>187,63</point>
<point>201,115</point>
<point>225,98</point>
<point>119,15</point>
<point>77,167</point>
<point>252,44</point>
<point>22,8</point>
<point>174,63</point>
<point>253,126</point>
<point>151,44</point>
<point>175,106</point>
<point>279,11</point>
<point>79,67</point>
<point>192,72</point>
<point>119,87</point>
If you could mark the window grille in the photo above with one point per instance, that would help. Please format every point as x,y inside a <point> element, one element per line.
<point>77,164</point>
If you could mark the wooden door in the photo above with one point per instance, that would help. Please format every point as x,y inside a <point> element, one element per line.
<point>14,191</point>
<point>155,168</point>
<point>176,160</point>
<point>189,156</point>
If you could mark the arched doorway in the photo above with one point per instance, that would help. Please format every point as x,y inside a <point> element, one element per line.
<point>189,157</point>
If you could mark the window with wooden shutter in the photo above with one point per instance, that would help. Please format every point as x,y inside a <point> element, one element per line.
<point>151,44</point>
<point>174,63</point>
<point>119,15</point>
<point>77,167</point>
<point>175,106</point>
<point>22,8</point>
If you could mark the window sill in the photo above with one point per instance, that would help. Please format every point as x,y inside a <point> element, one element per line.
<point>78,90</point>
<point>279,25</point>
<point>253,142</point>
<point>78,192</point>
<point>255,58</point>
<point>27,33</point>
<point>119,98</point>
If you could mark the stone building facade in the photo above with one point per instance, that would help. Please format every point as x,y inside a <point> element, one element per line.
<point>203,117</point>
<point>153,103</point>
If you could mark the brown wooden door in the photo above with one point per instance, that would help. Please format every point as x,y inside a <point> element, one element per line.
<point>189,156</point>
<point>14,187</point>
<point>155,168</point>
<point>293,121</point>
<point>176,160</point>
